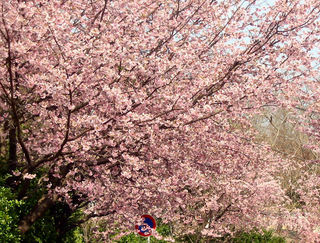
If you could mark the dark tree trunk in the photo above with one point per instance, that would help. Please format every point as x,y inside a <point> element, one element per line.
<point>62,220</point>
<point>44,204</point>
<point>37,212</point>
<point>12,159</point>
<point>24,188</point>
<point>12,149</point>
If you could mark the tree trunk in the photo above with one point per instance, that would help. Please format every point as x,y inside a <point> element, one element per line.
<point>37,212</point>
<point>12,149</point>
<point>12,159</point>
<point>24,189</point>
<point>3,144</point>
<point>61,220</point>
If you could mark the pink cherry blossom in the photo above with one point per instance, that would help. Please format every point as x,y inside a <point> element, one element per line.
<point>29,176</point>
<point>146,106</point>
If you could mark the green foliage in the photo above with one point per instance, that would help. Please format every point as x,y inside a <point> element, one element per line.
<point>12,210</point>
<point>74,236</point>
<point>255,237</point>
<point>163,229</point>
<point>3,178</point>
<point>45,229</point>
<point>135,238</point>
<point>9,216</point>
<point>243,237</point>
<point>42,230</point>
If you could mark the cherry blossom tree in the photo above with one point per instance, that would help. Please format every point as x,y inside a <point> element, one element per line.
<point>131,107</point>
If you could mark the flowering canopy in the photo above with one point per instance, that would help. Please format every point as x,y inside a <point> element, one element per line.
<point>135,106</point>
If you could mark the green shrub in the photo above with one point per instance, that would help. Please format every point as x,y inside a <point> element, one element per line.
<point>74,236</point>
<point>256,237</point>
<point>135,238</point>
<point>253,236</point>
<point>9,216</point>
